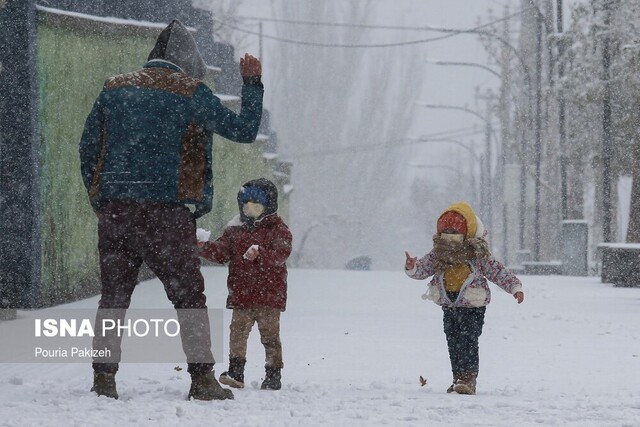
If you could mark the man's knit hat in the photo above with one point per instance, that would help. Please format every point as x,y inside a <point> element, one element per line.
<point>176,45</point>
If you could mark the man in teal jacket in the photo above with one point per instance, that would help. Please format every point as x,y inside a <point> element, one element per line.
<point>146,156</point>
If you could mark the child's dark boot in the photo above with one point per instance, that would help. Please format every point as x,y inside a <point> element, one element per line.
<point>272,379</point>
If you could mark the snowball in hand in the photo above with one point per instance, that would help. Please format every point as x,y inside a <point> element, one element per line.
<point>202,235</point>
<point>252,247</point>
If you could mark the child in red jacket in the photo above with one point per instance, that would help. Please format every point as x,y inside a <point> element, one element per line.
<point>256,245</point>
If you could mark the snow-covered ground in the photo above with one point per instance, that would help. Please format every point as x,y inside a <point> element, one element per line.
<point>355,345</point>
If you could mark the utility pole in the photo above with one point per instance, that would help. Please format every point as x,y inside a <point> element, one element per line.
<point>490,195</point>
<point>538,137</point>
<point>523,191</point>
<point>606,127</point>
<point>505,137</point>
<point>488,130</point>
<point>260,43</point>
<point>561,113</point>
<point>483,187</point>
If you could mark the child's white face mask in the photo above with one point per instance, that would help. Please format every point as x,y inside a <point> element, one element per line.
<point>453,237</point>
<point>253,210</point>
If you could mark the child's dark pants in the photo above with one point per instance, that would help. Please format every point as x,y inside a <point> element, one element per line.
<point>463,327</point>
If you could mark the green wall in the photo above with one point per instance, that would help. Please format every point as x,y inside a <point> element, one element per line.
<point>71,71</point>
<point>72,67</point>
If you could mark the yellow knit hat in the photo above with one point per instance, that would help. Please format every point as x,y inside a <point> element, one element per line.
<point>464,209</point>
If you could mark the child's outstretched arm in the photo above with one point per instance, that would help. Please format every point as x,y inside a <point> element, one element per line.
<point>496,272</point>
<point>410,263</point>
<point>419,268</point>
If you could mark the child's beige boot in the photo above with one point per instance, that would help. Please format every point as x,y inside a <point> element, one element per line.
<point>466,383</point>
<point>455,378</point>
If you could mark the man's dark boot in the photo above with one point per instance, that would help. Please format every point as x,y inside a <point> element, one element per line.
<point>272,379</point>
<point>204,386</point>
<point>234,377</point>
<point>104,384</point>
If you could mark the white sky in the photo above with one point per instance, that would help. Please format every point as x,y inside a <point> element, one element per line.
<point>449,85</point>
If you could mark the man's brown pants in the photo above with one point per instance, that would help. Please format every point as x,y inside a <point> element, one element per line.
<point>163,236</point>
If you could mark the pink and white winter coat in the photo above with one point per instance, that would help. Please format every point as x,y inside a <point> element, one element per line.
<point>475,289</point>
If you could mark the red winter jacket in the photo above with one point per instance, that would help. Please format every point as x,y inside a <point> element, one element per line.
<point>263,281</point>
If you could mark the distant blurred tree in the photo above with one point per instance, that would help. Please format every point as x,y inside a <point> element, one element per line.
<point>344,113</point>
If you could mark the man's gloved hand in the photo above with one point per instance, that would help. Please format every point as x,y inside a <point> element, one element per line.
<point>250,66</point>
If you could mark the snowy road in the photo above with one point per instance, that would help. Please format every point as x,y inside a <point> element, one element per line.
<point>355,344</point>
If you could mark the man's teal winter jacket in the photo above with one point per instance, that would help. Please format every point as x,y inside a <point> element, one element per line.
<point>149,137</point>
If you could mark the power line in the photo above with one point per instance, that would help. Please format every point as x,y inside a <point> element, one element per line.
<point>380,27</point>
<point>399,143</point>
<point>316,44</point>
<point>450,32</point>
<point>453,133</point>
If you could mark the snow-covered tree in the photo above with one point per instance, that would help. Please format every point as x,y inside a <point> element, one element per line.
<point>585,87</point>
<point>342,114</point>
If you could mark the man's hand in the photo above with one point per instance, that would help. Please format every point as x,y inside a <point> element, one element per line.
<point>519,296</point>
<point>250,66</point>
<point>410,263</point>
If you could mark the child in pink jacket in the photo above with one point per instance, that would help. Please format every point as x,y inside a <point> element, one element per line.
<point>460,263</point>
